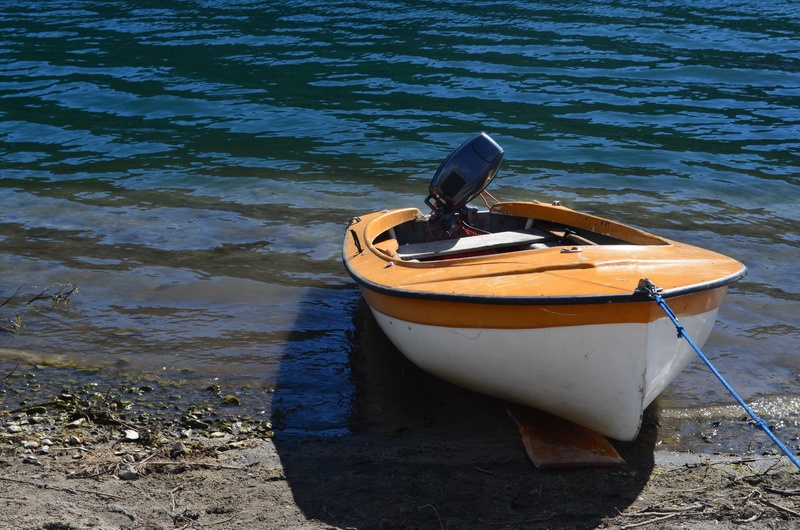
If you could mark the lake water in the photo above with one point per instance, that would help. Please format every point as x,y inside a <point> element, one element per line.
<point>191,165</point>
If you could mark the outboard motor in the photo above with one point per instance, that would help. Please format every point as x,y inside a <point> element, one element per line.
<point>463,175</point>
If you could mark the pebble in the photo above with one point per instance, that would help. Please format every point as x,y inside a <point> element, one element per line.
<point>231,400</point>
<point>47,441</point>
<point>128,473</point>
<point>217,434</point>
<point>73,440</point>
<point>76,423</point>
<point>29,444</point>
<point>131,435</point>
<point>178,449</point>
<point>14,428</point>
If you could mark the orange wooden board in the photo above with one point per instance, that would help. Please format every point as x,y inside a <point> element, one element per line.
<point>553,442</point>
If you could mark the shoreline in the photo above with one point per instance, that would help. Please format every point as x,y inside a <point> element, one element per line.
<point>70,464</point>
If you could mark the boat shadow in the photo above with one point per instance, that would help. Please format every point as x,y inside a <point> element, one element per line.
<point>422,453</point>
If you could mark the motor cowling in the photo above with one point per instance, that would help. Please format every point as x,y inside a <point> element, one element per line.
<point>464,174</point>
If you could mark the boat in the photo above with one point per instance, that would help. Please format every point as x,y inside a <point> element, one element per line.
<point>534,303</point>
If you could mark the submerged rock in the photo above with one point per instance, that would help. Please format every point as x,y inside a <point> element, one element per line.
<point>231,400</point>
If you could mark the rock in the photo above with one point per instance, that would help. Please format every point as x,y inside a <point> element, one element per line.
<point>194,423</point>
<point>47,441</point>
<point>231,400</point>
<point>29,444</point>
<point>14,428</point>
<point>76,423</point>
<point>217,434</point>
<point>131,435</point>
<point>128,473</point>
<point>73,440</point>
<point>178,449</point>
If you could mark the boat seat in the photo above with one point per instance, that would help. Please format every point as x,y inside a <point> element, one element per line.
<point>465,245</point>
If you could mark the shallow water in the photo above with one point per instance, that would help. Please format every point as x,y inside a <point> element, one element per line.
<point>191,165</point>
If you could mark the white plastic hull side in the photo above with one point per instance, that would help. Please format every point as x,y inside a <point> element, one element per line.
<point>599,376</point>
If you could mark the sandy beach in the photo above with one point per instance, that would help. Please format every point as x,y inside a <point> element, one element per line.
<point>103,469</point>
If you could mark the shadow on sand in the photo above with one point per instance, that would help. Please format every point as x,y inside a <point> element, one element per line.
<point>426,454</point>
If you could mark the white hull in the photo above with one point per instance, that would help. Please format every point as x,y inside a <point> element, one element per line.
<point>599,376</point>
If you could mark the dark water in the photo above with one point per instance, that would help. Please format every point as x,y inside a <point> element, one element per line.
<point>191,165</point>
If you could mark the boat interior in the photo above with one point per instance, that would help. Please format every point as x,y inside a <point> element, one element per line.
<point>485,232</point>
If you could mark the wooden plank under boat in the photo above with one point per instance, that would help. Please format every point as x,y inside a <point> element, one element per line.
<point>538,304</point>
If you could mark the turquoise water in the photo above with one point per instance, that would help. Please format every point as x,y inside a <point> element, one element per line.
<point>191,166</point>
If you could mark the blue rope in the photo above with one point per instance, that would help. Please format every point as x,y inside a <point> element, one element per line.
<point>646,286</point>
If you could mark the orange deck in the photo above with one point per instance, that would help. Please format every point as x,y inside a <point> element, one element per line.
<point>553,286</point>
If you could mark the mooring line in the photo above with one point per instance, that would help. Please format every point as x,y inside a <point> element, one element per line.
<point>646,286</point>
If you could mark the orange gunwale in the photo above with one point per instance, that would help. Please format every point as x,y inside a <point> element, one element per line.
<point>521,288</point>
